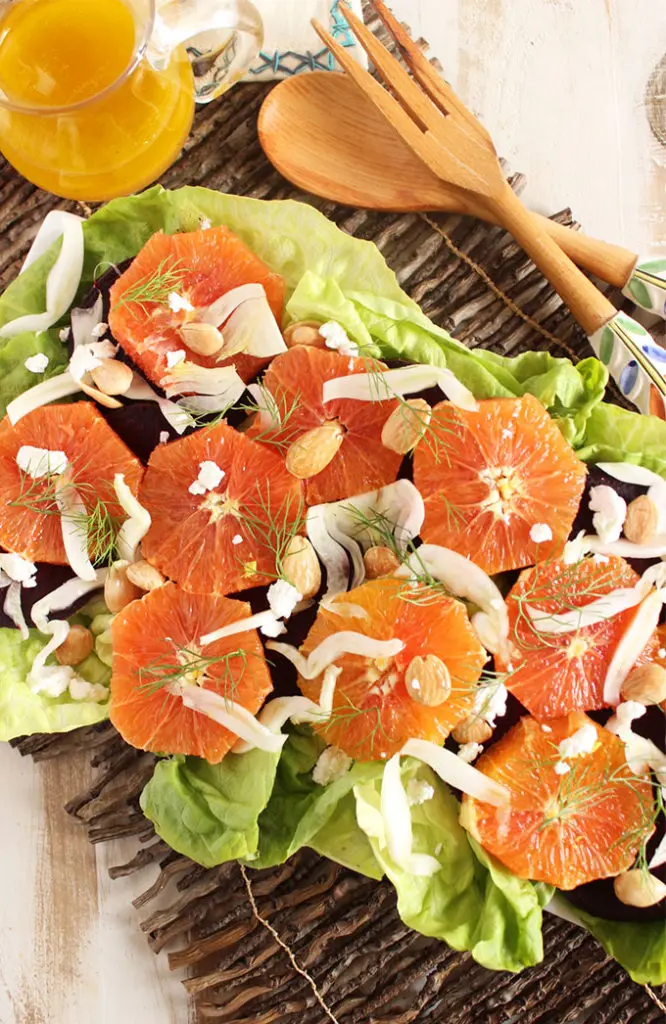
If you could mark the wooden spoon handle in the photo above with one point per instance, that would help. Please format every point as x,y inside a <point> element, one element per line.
<point>608,262</point>
<point>588,305</point>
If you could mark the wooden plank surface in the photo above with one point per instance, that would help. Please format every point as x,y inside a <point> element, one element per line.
<point>560,83</point>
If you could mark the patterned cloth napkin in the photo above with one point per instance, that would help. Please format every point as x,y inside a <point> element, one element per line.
<point>291,45</point>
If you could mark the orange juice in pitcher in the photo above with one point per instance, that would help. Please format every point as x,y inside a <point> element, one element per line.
<point>97,96</point>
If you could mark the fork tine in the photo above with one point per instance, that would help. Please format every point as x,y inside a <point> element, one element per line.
<point>383,100</point>
<point>439,91</point>
<point>410,95</point>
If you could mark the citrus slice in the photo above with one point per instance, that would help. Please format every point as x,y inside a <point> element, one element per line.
<point>373,712</point>
<point>30,521</point>
<point>217,538</point>
<point>565,829</point>
<point>489,477</point>
<point>199,268</point>
<point>156,644</point>
<point>362,463</point>
<point>553,674</point>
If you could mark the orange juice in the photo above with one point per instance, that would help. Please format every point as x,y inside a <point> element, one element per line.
<point>80,115</point>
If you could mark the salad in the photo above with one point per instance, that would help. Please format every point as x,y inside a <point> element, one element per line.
<point>358,587</point>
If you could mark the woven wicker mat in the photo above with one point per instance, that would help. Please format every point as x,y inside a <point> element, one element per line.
<point>362,964</point>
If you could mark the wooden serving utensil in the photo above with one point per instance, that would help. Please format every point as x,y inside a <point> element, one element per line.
<point>310,127</point>
<point>447,137</point>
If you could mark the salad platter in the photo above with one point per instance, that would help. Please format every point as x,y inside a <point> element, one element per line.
<point>361,601</point>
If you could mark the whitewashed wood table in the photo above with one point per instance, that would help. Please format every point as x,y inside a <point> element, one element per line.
<point>560,84</point>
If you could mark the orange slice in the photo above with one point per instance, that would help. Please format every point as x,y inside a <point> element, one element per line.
<point>30,523</point>
<point>201,267</point>
<point>489,476</point>
<point>229,538</point>
<point>362,463</point>
<point>550,674</point>
<point>156,642</point>
<point>373,712</point>
<point>562,829</point>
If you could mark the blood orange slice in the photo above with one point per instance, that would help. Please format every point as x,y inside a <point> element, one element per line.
<point>373,713</point>
<point>198,267</point>
<point>156,644</point>
<point>30,521</point>
<point>229,536</point>
<point>564,829</point>
<point>553,674</point>
<point>362,463</point>
<point>489,476</point>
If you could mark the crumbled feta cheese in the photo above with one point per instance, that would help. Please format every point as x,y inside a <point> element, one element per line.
<point>562,768</point>
<point>37,363</point>
<point>81,689</point>
<point>64,333</point>
<point>175,358</point>
<point>179,303</point>
<point>599,559</point>
<point>541,533</point>
<point>99,330</point>
<point>490,702</point>
<point>273,629</point>
<point>19,569</point>
<point>210,476</point>
<point>53,680</point>
<point>38,462</point>
<point>337,338</point>
<point>419,792</point>
<point>610,512</point>
<point>332,764</point>
<point>661,653</point>
<point>583,741</point>
<point>546,728</point>
<point>469,752</point>
<point>205,224</point>
<point>283,598</point>
<point>625,714</point>
<point>164,436</point>
<point>88,357</point>
<point>237,539</point>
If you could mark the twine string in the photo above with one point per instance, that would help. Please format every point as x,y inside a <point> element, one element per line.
<point>655,999</point>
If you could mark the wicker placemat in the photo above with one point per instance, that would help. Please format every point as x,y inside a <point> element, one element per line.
<point>350,957</point>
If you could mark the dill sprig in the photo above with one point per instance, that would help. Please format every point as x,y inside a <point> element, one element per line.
<point>189,665</point>
<point>282,432</point>
<point>98,523</point>
<point>273,530</point>
<point>351,712</point>
<point>155,287</point>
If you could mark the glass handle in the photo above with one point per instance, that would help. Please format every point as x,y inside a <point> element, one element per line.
<point>221,37</point>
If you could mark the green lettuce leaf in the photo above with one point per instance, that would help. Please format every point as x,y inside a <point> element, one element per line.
<point>14,377</point>
<point>613,434</point>
<point>473,903</point>
<point>329,275</point>
<point>23,712</point>
<point>209,812</point>
<point>639,948</point>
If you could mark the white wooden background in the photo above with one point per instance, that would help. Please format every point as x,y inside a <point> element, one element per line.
<point>560,85</point>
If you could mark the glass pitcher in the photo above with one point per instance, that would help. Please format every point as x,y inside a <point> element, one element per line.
<point>97,96</point>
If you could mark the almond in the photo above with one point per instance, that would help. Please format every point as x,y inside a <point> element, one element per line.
<point>305,332</point>
<point>301,567</point>
<point>314,450</point>
<point>76,647</point>
<point>642,520</point>
<point>380,561</point>
<point>145,576</point>
<point>112,377</point>
<point>118,590</point>
<point>639,888</point>
<point>204,339</point>
<point>646,684</point>
<point>406,425</point>
<point>472,730</point>
<point>428,680</point>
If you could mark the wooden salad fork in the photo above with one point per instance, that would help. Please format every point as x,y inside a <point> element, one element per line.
<point>448,138</point>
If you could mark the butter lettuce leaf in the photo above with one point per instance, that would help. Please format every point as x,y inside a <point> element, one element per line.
<point>210,812</point>
<point>613,434</point>
<point>473,903</point>
<point>23,712</point>
<point>639,948</point>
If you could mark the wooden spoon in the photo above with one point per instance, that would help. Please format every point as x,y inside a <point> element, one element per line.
<point>323,135</point>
